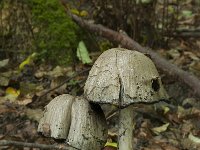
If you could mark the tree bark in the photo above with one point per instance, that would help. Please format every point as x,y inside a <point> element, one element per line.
<point>126,42</point>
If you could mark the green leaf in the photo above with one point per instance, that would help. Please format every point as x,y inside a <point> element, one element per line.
<point>187,13</point>
<point>82,53</point>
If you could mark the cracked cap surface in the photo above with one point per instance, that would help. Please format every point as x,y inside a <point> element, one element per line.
<point>122,77</point>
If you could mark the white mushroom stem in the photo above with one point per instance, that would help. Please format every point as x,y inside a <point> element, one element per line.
<point>126,123</point>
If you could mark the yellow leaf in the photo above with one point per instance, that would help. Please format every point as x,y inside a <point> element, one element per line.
<point>75,11</point>
<point>11,94</point>
<point>160,129</point>
<point>111,144</point>
<point>27,61</point>
<point>83,13</point>
<point>165,109</point>
<point>12,91</point>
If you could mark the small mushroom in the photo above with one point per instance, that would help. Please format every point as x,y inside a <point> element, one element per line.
<point>88,130</point>
<point>123,77</point>
<point>74,119</point>
<point>57,117</point>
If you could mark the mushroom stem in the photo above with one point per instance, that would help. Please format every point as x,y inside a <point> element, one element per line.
<point>125,141</point>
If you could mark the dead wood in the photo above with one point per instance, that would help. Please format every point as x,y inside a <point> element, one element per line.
<point>34,145</point>
<point>126,42</point>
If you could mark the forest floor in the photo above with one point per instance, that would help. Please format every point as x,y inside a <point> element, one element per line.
<point>160,126</point>
<point>176,126</point>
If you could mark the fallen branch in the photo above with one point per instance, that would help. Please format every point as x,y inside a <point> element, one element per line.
<point>161,63</point>
<point>34,145</point>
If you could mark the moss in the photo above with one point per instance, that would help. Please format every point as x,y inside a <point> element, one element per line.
<point>54,32</point>
<point>105,45</point>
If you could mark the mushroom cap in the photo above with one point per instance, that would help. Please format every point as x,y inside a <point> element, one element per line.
<point>123,77</point>
<point>56,119</point>
<point>88,130</point>
<point>82,124</point>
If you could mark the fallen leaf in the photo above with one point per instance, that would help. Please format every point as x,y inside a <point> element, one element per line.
<point>186,128</point>
<point>194,138</point>
<point>158,130</point>
<point>173,53</point>
<point>111,144</point>
<point>187,13</point>
<point>195,67</point>
<point>5,78</point>
<point>82,53</point>
<point>166,109</point>
<point>188,113</point>
<point>11,94</point>
<point>25,101</point>
<point>4,63</point>
<point>56,72</point>
<point>34,114</point>
<point>83,13</point>
<point>27,61</point>
<point>5,109</point>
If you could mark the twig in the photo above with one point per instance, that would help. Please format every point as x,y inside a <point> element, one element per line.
<point>113,112</point>
<point>194,34</point>
<point>70,78</point>
<point>35,145</point>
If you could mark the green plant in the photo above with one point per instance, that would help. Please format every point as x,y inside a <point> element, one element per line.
<point>54,32</point>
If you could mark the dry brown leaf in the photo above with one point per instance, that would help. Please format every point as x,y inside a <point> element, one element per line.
<point>5,109</point>
<point>186,128</point>
<point>34,114</point>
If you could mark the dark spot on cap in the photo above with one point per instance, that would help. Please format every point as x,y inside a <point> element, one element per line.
<point>155,85</point>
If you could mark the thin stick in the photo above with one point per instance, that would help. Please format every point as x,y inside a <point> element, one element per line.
<point>70,78</point>
<point>35,145</point>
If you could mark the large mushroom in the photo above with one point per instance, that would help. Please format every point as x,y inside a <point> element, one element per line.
<point>72,118</point>
<point>123,77</point>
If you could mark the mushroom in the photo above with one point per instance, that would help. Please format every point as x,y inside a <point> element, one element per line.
<point>123,77</point>
<point>88,130</point>
<point>56,119</point>
<point>74,119</point>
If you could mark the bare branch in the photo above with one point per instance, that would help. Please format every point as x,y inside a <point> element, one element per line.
<point>34,145</point>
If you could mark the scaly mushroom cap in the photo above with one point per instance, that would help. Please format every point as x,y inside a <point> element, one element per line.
<point>122,77</point>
